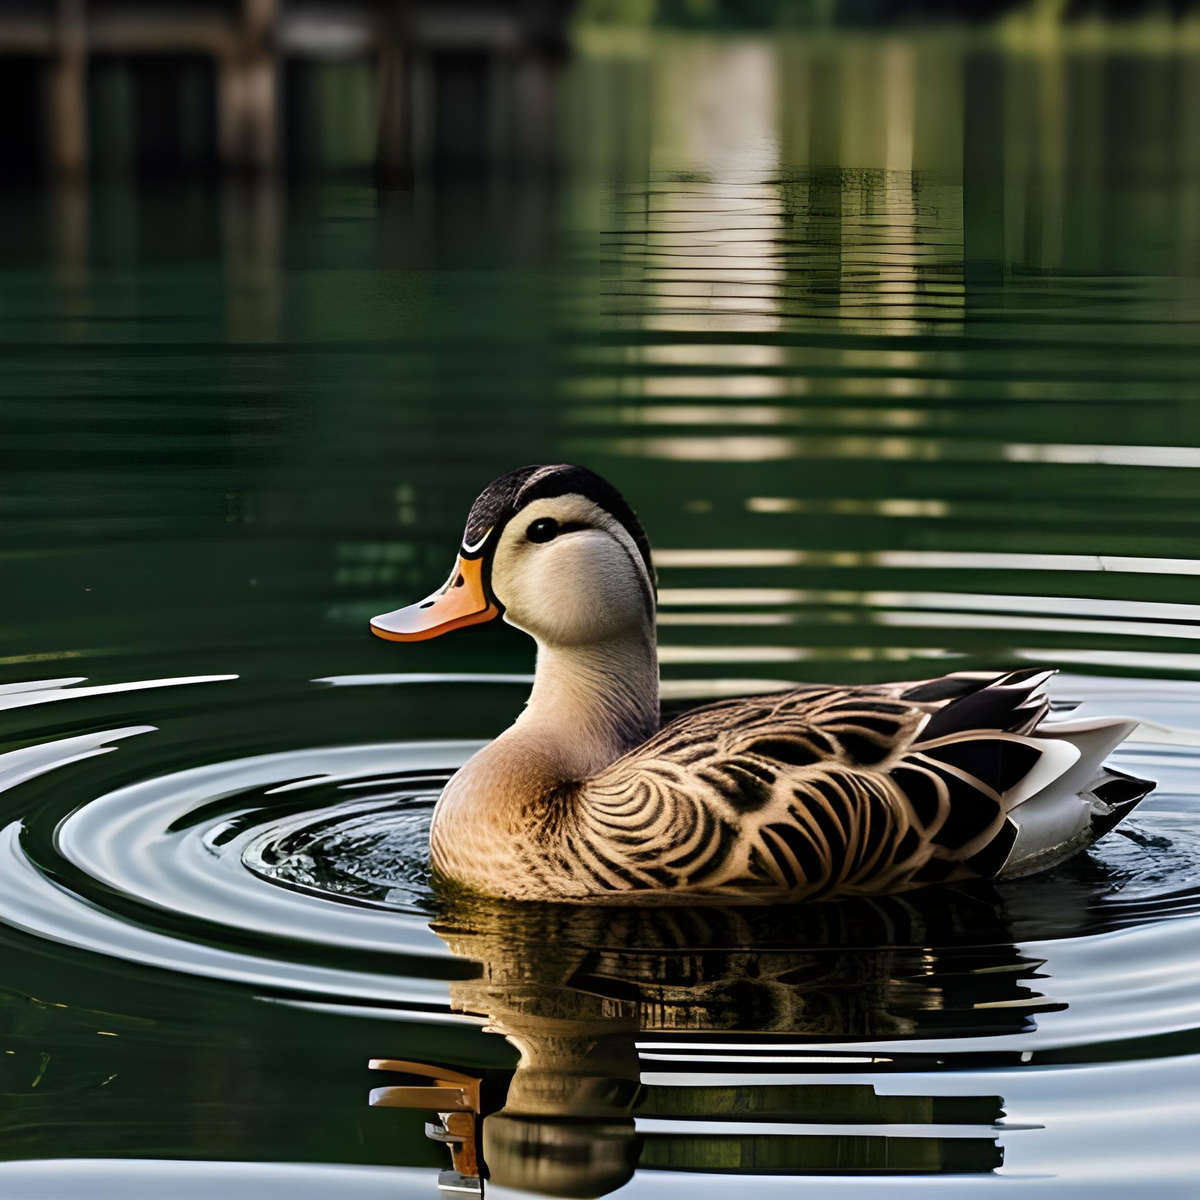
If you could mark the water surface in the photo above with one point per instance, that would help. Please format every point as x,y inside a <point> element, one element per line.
<point>903,390</point>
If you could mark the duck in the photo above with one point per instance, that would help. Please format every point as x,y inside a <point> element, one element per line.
<point>816,792</point>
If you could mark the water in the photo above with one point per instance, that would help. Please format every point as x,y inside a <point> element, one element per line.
<point>903,392</point>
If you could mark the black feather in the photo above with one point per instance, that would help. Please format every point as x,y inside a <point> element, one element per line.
<point>1122,794</point>
<point>744,783</point>
<point>906,845</point>
<point>991,708</point>
<point>921,790</point>
<point>989,861</point>
<point>997,762</point>
<point>860,748</point>
<point>970,813</point>
<point>948,687</point>
<point>795,753</point>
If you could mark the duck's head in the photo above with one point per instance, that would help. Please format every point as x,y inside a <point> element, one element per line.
<point>555,550</point>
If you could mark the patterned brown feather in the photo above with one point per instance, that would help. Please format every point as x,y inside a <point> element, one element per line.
<point>816,792</point>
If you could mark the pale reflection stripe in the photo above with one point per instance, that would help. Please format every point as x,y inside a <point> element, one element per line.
<point>54,692</point>
<point>1007,513</point>
<point>376,1012</point>
<point>945,620</point>
<point>749,414</point>
<point>421,677</point>
<point>1142,660</point>
<point>1120,456</point>
<point>901,449</point>
<point>738,620</point>
<point>928,559</point>
<point>896,507</point>
<point>970,601</point>
<point>745,354</point>
<point>765,1047</point>
<point>751,1127</point>
<point>751,356</point>
<point>827,1060</point>
<point>676,655</point>
<point>929,620</point>
<point>669,689</point>
<point>902,619</point>
<point>33,685</point>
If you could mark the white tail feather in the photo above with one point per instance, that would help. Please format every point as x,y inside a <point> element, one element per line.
<point>1054,817</point>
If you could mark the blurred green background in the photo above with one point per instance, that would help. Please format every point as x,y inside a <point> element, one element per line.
<point>888,333</point>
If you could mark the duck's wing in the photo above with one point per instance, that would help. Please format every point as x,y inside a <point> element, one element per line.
<point>823,791</point>
<point>1049,814</point>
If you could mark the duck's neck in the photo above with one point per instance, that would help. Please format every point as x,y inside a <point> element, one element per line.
<point>591,704</point>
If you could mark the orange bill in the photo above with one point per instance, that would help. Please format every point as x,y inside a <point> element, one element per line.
<point>459,602</point>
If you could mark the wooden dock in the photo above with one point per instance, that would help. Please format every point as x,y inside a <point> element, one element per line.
<point>455,81</point>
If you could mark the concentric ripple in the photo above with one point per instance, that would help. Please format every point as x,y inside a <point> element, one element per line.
<point>157,871</point>
<point>306,872</point>
<point>301,874</point>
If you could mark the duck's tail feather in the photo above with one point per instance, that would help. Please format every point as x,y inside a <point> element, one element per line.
<point>1014,702</point>
<point>1079,806</point>
<point>1014,795</point>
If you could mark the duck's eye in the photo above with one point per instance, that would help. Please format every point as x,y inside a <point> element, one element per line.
<point>544,529</point>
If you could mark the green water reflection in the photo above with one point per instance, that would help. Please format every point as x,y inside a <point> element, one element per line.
<point>238,420</point>
<point>896,357</point>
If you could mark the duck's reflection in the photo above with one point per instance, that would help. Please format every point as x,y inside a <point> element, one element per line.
<point>716,1039</point>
